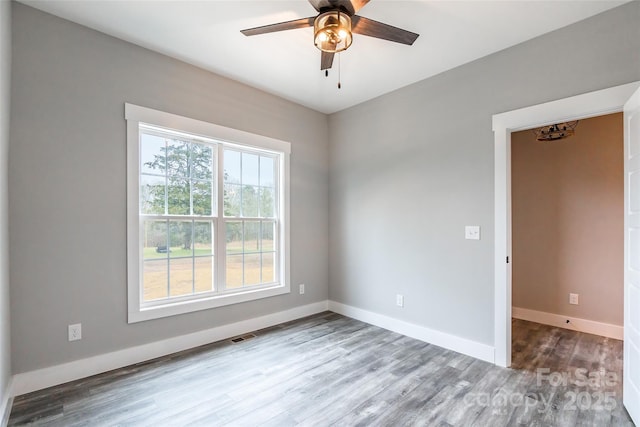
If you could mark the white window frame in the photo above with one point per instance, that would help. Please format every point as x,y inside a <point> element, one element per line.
<point>138,310</point>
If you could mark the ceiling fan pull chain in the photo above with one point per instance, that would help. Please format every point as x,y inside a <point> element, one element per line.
<point>339,75</point>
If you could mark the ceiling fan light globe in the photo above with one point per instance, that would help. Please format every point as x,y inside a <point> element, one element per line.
<point>332,31</point>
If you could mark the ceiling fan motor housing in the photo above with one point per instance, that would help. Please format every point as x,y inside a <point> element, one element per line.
<point>332,31</point>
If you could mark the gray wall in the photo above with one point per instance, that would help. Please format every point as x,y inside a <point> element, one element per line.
<point>5,79</point>
<point>410,169</point>
<point>67,185</point>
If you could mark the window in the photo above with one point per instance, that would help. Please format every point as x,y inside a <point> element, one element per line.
<point>207,215</point>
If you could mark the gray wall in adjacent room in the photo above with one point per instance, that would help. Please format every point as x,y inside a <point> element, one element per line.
<point>68,185</point>
<point>410,169</point>
<point>5,91</point>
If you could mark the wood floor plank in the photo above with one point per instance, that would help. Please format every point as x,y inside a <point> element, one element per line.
<point>331,370</point>
<point>411,372</point>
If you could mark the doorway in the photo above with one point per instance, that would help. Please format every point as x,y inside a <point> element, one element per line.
<point>578,107</point>
<point>567,227</point>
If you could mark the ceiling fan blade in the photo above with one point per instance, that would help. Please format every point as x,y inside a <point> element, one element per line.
<point>371,28</point>
<point>326,60</point>
<point>317,4</point>
<point>349,6</point>
<point>281,26</point>
<point>358,4</point>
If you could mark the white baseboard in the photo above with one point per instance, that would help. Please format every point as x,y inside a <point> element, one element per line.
<point>441,339</point>
<point>5,404</point>
<point>576,324</point>
<point>42,378</point>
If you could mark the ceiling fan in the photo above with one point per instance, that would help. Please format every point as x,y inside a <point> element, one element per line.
<point>334,25</point>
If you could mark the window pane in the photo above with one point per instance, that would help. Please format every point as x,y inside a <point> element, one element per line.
<point>268,233</point>
<point>154,279</point>
<point>250,169</point>
<point>231,167</point>
<point>232,199</point>
<point>251,236</point>
<point>204,274</point>
<point>267,174</point>
<point>202,194</point>
<point>202,235</point>
<point>178,158</point>
<point>250,201</point>
<point>152,154</point>
<point>234,237</point>
<point>268,268</point>
<point>152,194</point>
<point>180,239</point>
<point>201,162</point>
<point>234,271</point>
<point>178,199</point>
<point>252,269</point>
<point>154,239</point>
<point>180,277</point>
<point>267,203</point>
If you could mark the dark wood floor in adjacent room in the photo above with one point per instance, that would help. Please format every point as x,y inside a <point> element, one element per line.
<point>331,370</point>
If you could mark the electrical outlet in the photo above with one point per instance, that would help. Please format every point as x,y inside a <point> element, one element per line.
<point>400,300</point>
<point>573,299</point>
<point>75,332</point>
<point>301,288</point>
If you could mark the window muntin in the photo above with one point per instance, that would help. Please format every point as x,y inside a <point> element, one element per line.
<point>183,278</point>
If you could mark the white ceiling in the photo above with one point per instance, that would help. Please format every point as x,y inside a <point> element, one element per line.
<point>287,64</point>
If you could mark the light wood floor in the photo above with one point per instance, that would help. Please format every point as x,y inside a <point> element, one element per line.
<point>331,370</point>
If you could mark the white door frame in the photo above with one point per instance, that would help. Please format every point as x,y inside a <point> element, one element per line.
<point>590,104</point>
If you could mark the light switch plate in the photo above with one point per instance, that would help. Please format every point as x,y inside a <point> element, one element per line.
<point>472,232</point>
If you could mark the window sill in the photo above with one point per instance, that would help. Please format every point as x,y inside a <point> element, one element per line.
<point>183,307</point>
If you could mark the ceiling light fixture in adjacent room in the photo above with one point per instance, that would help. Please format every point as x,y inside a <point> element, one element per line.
<point>556,131</point>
